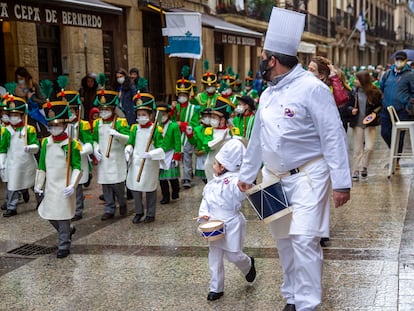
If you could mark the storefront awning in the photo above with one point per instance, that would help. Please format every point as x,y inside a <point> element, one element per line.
<point>93,5</point>
<point>79,13</point>
<point>223,26</point>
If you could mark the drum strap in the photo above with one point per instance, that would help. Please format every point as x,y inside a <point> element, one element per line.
<point>295,170</point>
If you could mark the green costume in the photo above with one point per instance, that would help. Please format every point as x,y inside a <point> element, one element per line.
<point>172,149</point>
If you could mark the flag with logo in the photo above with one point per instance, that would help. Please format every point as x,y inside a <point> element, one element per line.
<point>360,26</point>
<point>184,34</point>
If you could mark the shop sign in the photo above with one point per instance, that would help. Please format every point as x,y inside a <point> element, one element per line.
<point>226,38</point>
<point>38,13</point>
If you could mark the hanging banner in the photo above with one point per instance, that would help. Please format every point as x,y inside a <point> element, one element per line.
<point>410,4</point>
<point>184,34</point>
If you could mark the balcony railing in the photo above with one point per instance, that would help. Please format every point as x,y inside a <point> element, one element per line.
<point>261,10</point>
<point>381,32</point>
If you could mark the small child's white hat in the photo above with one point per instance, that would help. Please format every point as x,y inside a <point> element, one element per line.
<point>231,155</point>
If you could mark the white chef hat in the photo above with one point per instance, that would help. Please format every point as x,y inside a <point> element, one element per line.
<point>231,155</point>
<point>284,31</point>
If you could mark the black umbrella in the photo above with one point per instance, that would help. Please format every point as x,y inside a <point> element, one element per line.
<point>410,54</point>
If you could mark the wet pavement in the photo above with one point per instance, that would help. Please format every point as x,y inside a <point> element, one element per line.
<point>117,265</point>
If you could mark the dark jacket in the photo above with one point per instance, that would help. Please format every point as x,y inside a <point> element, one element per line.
<point>375,106</point>
<point>128,91</point>
<point>88,94</point>
<point>398,88</point>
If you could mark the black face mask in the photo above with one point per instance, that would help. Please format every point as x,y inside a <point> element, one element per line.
<point>264,69</point>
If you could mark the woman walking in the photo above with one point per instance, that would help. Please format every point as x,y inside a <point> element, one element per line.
<point>366,111</point>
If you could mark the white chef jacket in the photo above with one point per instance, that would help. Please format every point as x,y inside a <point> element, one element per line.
<point>222,200</point>
<point>298,123</point>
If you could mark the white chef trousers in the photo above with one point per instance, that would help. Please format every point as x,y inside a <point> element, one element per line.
<point>301,258</point>
<point>216,265</point>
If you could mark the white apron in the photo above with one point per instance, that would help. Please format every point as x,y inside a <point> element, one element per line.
<point>149,178</point>
<point>54,205</point>
<point>308,193</point>
<point>111,170</point>
<point>200,162</point>
<point>21,166</point>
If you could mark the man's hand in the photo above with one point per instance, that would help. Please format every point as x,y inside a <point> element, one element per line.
<point>243,186</point>
<point>340,198</point>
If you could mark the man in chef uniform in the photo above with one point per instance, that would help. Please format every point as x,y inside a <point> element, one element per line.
<point>299,139</point>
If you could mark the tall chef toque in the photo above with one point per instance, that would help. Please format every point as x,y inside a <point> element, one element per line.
<point>284,31</point>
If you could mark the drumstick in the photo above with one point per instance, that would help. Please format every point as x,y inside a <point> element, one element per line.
<point>199,217</point>
<point>111,138</point>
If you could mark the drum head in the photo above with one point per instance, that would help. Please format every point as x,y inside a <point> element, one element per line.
<point>270,202</point>
<point>369,118</point>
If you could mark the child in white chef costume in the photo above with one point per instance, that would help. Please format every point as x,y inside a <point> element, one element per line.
<point>222,200</point>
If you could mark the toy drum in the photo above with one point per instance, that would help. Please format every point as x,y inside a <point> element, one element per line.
<point>212,230</point>
<point>269,201</point>
<point>369,118</point>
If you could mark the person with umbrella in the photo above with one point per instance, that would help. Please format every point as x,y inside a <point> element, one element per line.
<point>398,88</point>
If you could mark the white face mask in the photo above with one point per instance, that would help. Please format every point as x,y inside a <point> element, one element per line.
<point>21,82</point>
<point>211,89</point>
<point>182,99</point>
<point>120,80</point>
<point>214,123</point>
<point>56,130</point>
<point>399,64</point>
<point>15,120</point>
<point>142,120</point>
<point>227,92</point>
<point>105,114</point>
<point>164,119</point>
<point>5,118</point>
<point>205,120</point>
<point>239,109</point>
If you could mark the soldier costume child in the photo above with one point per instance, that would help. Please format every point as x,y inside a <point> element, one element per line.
<point>207,98</point>
<point>17,148</point>
<point>81,130</point>
<point>110,135</point>
<point>196,138</point>
<point>244,118</point>
<point>59,171</point>
<point>140,160</point>
<point>187,115</point>
<point>172,148</point>
<point>222,201</point>
<point>217,134</point>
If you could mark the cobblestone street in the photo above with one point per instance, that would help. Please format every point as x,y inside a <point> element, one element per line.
<point>117,265</point>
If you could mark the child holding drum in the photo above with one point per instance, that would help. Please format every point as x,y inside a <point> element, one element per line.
<point>222,202</point>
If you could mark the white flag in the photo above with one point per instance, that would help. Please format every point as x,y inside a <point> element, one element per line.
<point>360,26</point>
<point>184,34</point>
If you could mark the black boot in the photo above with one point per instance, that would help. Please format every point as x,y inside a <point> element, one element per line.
<point>165,190</point>
<point>129,194</point>
<point>175,187</point>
